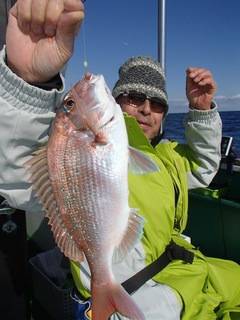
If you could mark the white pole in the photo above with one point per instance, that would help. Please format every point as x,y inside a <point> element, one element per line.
<point>161,32</point>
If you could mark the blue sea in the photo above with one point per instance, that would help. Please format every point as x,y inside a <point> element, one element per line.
<point>231,127</point>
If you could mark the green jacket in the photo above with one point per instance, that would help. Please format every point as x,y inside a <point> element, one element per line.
<point>206,285</point>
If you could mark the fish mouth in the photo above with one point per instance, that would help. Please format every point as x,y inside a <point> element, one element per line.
<point>81,129</point>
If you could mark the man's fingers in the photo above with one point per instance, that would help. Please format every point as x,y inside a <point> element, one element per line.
<point>200,87</point>
<point>42,16</point>
<point>13,11</point>
<point>56,8</point>
<point>22,11</point>
<point>53,12</point>
<point>67,28</point>
<point>38,11</point>
<point>68,25</point>
<point>207,81</point>
<point>195,73</point>
<point>200,76</point>
<point>73,5</point>
<point>72,17</point>
<point>194,70</point>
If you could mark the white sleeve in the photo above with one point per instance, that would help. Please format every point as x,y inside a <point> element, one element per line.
<point>203,131</point>
<point>26,114</point>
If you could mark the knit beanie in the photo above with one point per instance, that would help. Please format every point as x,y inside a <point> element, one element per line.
<point>143,75</point>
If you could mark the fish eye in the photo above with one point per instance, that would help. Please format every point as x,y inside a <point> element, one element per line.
<point>69,103</point>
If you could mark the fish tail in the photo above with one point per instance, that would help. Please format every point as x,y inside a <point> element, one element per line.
<point>107,300</point>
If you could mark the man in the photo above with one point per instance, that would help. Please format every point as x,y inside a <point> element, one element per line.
<point>39,43</point>
<point>180,290</point>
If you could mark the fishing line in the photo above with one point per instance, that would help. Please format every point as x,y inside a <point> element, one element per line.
<point>85,59</point>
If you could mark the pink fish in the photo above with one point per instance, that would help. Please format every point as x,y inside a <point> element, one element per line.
<point>81,179</point>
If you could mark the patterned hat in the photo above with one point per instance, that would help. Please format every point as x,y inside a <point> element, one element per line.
<point>144,75</point>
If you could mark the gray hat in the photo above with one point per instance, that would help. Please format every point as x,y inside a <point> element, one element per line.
<point>144,75</point>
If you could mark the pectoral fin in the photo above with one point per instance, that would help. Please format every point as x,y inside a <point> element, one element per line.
<point>140,163</point>
<point>132,235</point>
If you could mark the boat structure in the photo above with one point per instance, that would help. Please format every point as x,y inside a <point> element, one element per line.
<point>214,212</point>
<point>213,223</point>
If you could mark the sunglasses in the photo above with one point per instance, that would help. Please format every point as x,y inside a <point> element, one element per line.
<point>137,99</point>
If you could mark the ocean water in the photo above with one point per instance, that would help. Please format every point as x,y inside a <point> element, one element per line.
<point>231,127</point>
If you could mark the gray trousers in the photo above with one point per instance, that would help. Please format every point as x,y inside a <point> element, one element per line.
<point>157,301</point>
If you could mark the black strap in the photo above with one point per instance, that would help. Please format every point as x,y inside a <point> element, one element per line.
<point>172,252</point>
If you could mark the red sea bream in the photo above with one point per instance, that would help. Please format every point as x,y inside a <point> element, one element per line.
<point>81,179</point>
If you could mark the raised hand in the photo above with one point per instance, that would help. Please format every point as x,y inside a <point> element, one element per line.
<point>40,37</point>
<point>200,88</point>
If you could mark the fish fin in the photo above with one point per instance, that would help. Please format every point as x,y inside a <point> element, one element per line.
<point>63,239</point>
<point>112,298</point>
<point>140,163</point>
<point>39,176</point>
<point>133,233</point>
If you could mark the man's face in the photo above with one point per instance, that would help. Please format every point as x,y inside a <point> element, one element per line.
<point>148,112</point>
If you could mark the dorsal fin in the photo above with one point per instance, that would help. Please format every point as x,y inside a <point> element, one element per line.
<point>133,233</point>
<point>38,168</point>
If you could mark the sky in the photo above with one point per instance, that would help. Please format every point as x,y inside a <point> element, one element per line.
<point>198,33</point>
